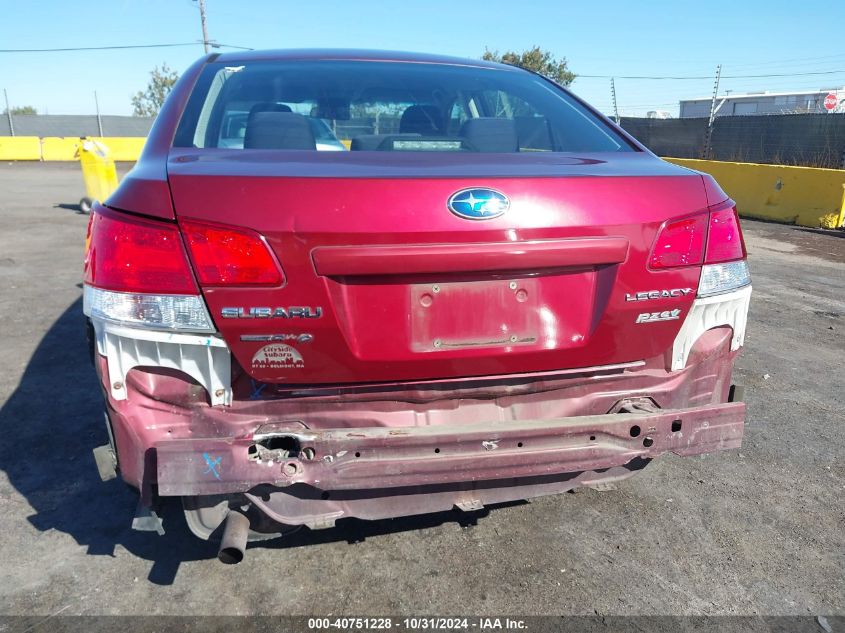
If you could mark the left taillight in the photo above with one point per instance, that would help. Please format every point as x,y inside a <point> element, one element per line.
<point>137,273</point>
<point>129,254</point>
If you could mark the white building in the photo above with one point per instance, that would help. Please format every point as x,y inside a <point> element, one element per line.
<point>762,103</point>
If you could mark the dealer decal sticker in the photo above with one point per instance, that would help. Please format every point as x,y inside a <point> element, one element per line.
<point>277,356</point>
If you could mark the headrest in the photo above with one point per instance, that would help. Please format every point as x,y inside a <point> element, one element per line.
<point>268,106</point>
<point>421,119</point>
<point>489,134</point>
<point>278,130</point>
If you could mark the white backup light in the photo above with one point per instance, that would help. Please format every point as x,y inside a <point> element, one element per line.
<point>181,313</point>
<point>721,278</point>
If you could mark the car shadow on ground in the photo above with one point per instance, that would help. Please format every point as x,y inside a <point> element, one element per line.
<point>51,422</point>
<point>75,207</point>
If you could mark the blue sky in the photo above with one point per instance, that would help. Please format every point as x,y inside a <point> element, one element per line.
<point>609,37</point>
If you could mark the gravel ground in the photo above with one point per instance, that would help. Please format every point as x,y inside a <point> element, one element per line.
<point>754,531</point>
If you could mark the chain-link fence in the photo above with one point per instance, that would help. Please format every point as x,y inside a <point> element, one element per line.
<point>809,140</point>
<point>74,125</point>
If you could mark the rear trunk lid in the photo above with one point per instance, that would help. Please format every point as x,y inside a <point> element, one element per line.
<point>384,283</point>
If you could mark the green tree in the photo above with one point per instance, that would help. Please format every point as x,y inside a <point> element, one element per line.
<point>148,102</point>
<point>16,110</point>
<point>535,59</point>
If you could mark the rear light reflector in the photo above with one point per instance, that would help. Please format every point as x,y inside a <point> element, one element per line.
<point>724,240</point>
<point>128,254</point>
<point>720,278</point>
<point>680,243</point>
<point>225,256</point>
<point>158,312</point>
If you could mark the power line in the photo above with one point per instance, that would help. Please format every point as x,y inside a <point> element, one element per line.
<point>91,48</point>
<point>112,48</point>
<point>688,66</point>
<point>677,78</point>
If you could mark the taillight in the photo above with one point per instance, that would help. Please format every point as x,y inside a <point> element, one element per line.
<point>137,274</point>
<point>713,239</point>
<point>128,254</point>
<point>226,256</point>
<point>680,243</point>
<point>707,238</point>
<point>725,268</point>
<point>724,239</point>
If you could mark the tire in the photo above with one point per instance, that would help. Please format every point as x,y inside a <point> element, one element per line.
<point>85,205</point>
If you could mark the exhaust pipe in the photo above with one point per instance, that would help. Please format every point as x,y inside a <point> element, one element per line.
<point>235,533</point>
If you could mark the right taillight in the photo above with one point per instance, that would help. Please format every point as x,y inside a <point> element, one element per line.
<point>724,239</point>
<point>712,240</point>
<point>725,268</point>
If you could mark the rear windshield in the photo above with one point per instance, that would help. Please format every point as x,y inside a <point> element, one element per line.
<point>342,106</point>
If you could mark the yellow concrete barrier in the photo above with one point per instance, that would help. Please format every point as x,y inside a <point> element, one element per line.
<point>59,147</point>
<point>20,148</point>
<point>52,148</point>
<point>123,148</point>
<point>806,196</point>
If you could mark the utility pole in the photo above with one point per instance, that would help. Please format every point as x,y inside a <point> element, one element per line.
<point>99,118</point>
<point>205,40</point>
<point>709,136</point>
<point>613,95</point>
<point>9,113</point>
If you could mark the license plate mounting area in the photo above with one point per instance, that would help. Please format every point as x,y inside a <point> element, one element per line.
<point>474,314</point>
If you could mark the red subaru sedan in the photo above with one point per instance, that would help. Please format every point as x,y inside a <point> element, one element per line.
<point>368,284</point>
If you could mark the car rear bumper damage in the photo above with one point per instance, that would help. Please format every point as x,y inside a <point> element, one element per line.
<point>380,451</point>
<point>380,457</point>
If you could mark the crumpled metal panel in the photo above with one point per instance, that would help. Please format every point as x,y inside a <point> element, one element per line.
<point>203,357</point>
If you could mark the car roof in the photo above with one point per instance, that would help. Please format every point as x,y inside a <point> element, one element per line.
<point>326,54</point>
